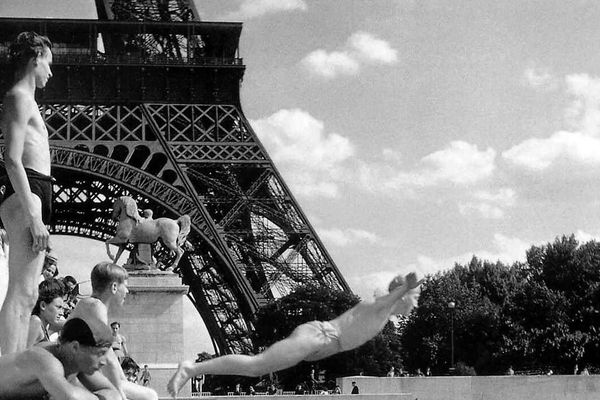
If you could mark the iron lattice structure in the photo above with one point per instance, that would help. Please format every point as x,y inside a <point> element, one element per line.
<point>166,127</point>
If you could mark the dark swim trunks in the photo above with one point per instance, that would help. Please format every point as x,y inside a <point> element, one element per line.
<point>40,184</point>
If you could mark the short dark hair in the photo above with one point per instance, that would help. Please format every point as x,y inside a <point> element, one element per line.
<point>105,273</point>
<point>69,279</point>
<point>92,332</point>
<point>27,45</point>
<point>115,323</point>
<point>48,291</point>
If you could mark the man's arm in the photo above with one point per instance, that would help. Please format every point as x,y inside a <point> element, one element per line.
<point>51,375</point>
<point>112,370</point>
<point>97,382</point>
<point>35,331</point>
<point>124,346</point>
<point>17,114</point>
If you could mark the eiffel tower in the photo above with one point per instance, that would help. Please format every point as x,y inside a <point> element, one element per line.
<point>145,102</point>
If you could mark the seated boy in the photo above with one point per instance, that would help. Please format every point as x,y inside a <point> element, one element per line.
<point>48,370</point>
<point>47,312</point>
<point>109,288</point>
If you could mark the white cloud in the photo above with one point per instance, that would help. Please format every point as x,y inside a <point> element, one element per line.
<point>372,49</point>
<point>540,79</point>
<point>330,65</point>
<point>257,8</point>
<point>541,153</point>
<point>460,163</point>
<point>346,237</point>
<point>505,249</point>
<point>583,115</point>
<point>316,163</point>
<point>584,237</point>
<point>575,147</point>
<point>311,160</point>
<point>361,48</point>
<point>367,285</point>
<point>487,204</point>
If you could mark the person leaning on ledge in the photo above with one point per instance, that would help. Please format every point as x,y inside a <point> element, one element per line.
<point>48,370</point>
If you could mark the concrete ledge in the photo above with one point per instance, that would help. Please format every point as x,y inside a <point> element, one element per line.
<point>171,289</point>
<point>393,396</point>
<point>538,387</point>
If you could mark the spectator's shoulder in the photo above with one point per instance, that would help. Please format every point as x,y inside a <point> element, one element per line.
<point>90,307</point>
<point>39,360</point>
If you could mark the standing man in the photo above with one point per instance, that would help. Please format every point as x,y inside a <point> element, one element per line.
<point>119,345</point>
<point>146,377</point>
<point>26,206</point>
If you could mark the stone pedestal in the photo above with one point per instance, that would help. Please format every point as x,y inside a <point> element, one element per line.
<point>152,322</point>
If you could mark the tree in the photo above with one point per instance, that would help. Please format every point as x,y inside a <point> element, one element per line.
<point>531,315</point>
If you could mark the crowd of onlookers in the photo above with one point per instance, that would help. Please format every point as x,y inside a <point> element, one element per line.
<point>57,297</point>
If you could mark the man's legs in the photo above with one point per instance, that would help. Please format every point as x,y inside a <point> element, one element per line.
<point>286,353</point>
<point>133,391</point>
<point>24,269</point>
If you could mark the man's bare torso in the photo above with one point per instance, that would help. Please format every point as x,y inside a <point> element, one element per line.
<point>17,378</point>
<point>36,150</point>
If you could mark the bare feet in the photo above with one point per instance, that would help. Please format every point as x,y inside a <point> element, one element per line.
<point>183,374</point>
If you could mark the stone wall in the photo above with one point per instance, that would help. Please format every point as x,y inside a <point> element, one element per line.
<point>152,322</point>
<point>538,387</point>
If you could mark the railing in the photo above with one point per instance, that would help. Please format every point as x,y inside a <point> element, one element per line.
<point>85,57</point>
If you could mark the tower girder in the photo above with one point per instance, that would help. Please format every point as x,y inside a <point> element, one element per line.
<point>156,115</point>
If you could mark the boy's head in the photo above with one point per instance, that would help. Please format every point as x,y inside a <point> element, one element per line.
<point>69,282</point>
<point>87,341</point>
<point>31,49</point>
<point>114,327</point>
<point>107,276</point>
<point>104,274</point>
<point>50,297</point>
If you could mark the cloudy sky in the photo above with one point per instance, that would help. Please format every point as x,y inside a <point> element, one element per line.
<point>416,133</point>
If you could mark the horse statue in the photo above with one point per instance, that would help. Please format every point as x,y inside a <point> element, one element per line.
<point>132,228</point>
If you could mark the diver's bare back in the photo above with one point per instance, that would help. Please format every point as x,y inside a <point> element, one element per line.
<point>36,149</point>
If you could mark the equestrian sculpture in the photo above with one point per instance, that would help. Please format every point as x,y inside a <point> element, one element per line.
<point>134,229</point>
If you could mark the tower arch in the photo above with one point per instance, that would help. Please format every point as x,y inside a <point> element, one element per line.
<point>156,114</point>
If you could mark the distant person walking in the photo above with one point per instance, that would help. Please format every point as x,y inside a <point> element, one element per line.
<point>145,377</point>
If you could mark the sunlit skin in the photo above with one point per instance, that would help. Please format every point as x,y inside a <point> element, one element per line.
<point>51,369</point>
<point>308,342</point>
<point>98,305</point>
<point>52,312</point>
<point>26,142</point>
<point>50,315</point>
<point>118,338</point>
